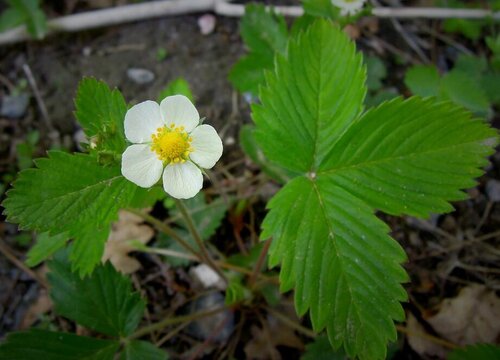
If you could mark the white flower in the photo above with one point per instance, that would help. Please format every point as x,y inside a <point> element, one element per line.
<point>168,139</point>
<point>349,7</point>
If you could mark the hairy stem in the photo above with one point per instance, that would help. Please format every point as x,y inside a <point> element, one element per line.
<point>199,241</point>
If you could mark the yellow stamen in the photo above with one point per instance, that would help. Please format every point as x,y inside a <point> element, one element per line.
<point>171,144</point>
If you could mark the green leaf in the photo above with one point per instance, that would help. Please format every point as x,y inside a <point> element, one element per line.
<point>320,349</point>
<point>423,80</point>
<point>413,167</point>
<point>471,29</point>
<point>70,193</point>
<point>10,18</point>
<point>321,79</point>
<point>344,267</point>
<point>42,344</point>
<point>403,157</point>
<point>235,292</point>
<point>376,72</point>
<point>254,152</point>
<point>142,350</point>
<point>46,245</point>
<point>178,86</point>
<point>463,90</point>
<point>476,352</point>
<point>101,113</point>
<point>103,301</point>
<point>321,8</point>
<point>33,16</point>
<point>264,33</point>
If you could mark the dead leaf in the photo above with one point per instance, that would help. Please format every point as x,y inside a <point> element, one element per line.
<point>42,305</point>
<point>128,228</point>
<point>419,343</point>
<point>471,317</point>
<point>264,341</point>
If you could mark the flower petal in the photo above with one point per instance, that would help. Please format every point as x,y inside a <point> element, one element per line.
<point>182,181</point>
<point>207,146</point>
<point>180,111</point>
<point>141,166</point>
<point>141,121</point>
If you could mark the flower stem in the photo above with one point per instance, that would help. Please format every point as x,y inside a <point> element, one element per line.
<point>199,241</point>
<point>173,320</point>
<point>258,264</point>
<point>293,324</point>
<point>167,230</point>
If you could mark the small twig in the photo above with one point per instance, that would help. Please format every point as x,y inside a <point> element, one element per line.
<point>38,97</point>
<point>259,263</point>
<point>166,229</point>
<point>291,323</point>
<point>199,241</point>
<point>486,213</point>
<point>9,254</point>
<point>429,337</point>
<point>155,9</point>
<point>173,320</point>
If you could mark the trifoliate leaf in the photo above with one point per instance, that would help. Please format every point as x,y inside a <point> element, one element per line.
<point>45,246</point>
<point>476,352</point>
<point>42,344</point>
<point>104,301</point>
<point>142,350</point>
<point>310,99</point>
<point>423,80</point>
<point>410,156</point>
<point>33,16</point>
<point>403,157</point>
<point>265,34</point>
<point>463,90</point>
<point>178,86</point>
<point>70,193</point>
<point>101,112</point>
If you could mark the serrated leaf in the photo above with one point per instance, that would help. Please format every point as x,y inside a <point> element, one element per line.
<point>45,247</point>
<point>476,352</point>
<point>101,113</point>
<point>333,250</point>
<point>265,34</point>
<point>142,350</point>
<point>42,344</point>
<point>178,86</point>
<point>343,265</point>
<point>33,16</point>
<point>423,80</point>
<point>103,301</point>
<point>321,8</point>
<point>252,149</point>
<point>320,349</point>
<point>70,193</point>
<point>415,166</point>
<point>321,79</point>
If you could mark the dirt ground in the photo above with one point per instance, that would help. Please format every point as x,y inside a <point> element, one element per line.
<point>439,265</point>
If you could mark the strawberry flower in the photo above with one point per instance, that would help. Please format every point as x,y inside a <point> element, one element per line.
<point>349,7</point>
<point>168,141</point>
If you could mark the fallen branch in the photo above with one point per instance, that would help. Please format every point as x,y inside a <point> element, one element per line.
<point>156,9</point>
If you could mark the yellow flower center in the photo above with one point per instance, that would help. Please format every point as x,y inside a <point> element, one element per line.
<point>171,144</point>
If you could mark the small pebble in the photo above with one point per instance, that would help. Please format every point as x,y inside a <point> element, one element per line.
<point>493,190</point>
<point>14,106</point>
<point>206,23</point>
<point>217,327</point>
<point>140,76</point>
<point>207,277</point>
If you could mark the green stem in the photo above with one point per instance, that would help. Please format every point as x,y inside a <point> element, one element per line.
<point>173,320</point>
<point>199,241</point>
<point>167,230</point>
